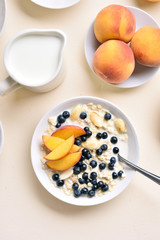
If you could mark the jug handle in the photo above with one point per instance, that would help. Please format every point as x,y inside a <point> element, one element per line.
<point>8,85</point>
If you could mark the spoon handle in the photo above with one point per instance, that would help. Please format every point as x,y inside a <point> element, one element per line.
<point>152,176</point>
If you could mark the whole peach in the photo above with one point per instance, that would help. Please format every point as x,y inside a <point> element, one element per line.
<point>114,61</point>
<point>146,46</point>
<point>114,22</point>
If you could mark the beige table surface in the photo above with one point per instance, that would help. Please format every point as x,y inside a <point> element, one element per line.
<point>27,210</point>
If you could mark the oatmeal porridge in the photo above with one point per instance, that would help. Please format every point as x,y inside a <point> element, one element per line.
<point>82,156</point>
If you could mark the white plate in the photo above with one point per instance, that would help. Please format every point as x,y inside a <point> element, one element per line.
<point>141,73</point>
<point>133,152</point>
<point>2,14</point>
<point>1,137</point>
<point>55,4</point>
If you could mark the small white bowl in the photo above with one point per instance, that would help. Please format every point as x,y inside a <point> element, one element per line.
<point>2,14</point>
<point>133,152</point>
<point>55,4</point>
<point>1,137</point>
<point>141,73</point>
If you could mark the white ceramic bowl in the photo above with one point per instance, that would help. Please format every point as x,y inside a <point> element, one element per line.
<point>1,137</point>
<point>55,4</point>
<point>2,14</point>
<point>133,152</point>
<point>141,73</point>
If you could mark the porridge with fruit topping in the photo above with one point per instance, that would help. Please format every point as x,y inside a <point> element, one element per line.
<point>80,150</point>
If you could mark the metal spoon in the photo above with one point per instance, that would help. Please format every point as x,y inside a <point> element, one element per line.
<point>152,176</point>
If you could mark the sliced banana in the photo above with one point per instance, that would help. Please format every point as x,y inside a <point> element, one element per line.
<point>66,174</point>
<point>120,126</point>
<point>96,119</point>
<point>91,144</point>
<point>75,113</point>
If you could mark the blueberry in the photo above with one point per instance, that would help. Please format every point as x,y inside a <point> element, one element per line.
<point>58,125</point>
<point>93,163</point>
<point>114,140</point>
<point>99,136</point>
<point>87,181</point>
<point>82,158</point>
<point>88,133</point>
<point>104,135</point>
<point>105,187</point>
<point>75,186</point>
<point>111,166</point>
<point>81,180</point>
<point>77,193</point>
<point>102,166</point>
<point>100,184</point>
<point>83,115</point>
<point>114,175</point>
<point>83,167</point>
<point>86,129</point>
<point>76,170</point>
<point>61,119</point>
<point>104,147</point>
<point>91,193</point>
<point>55,177</point>
<point>66,114</point>
<point>107,116</point>
<point>77,142</point>
<point>79,164</point>
<point>115,150</point>
<point>60,183</point>
<point>120,173</point>
<point>93,175</point>
<point>99,151</point>
<point>83,138</point>
<point>95,187</point>
<point>85,151</point>
<point>94,181</point>
<point>85,175</point>
<point>88,155</point>
<point>113,160</point>
<point>84,190</point>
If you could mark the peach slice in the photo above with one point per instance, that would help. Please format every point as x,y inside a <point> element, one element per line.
<point>52,142</point>
<point>65,163</point>
<point>68,130</point>
<point>62,150</point>
<point>74,149</point>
